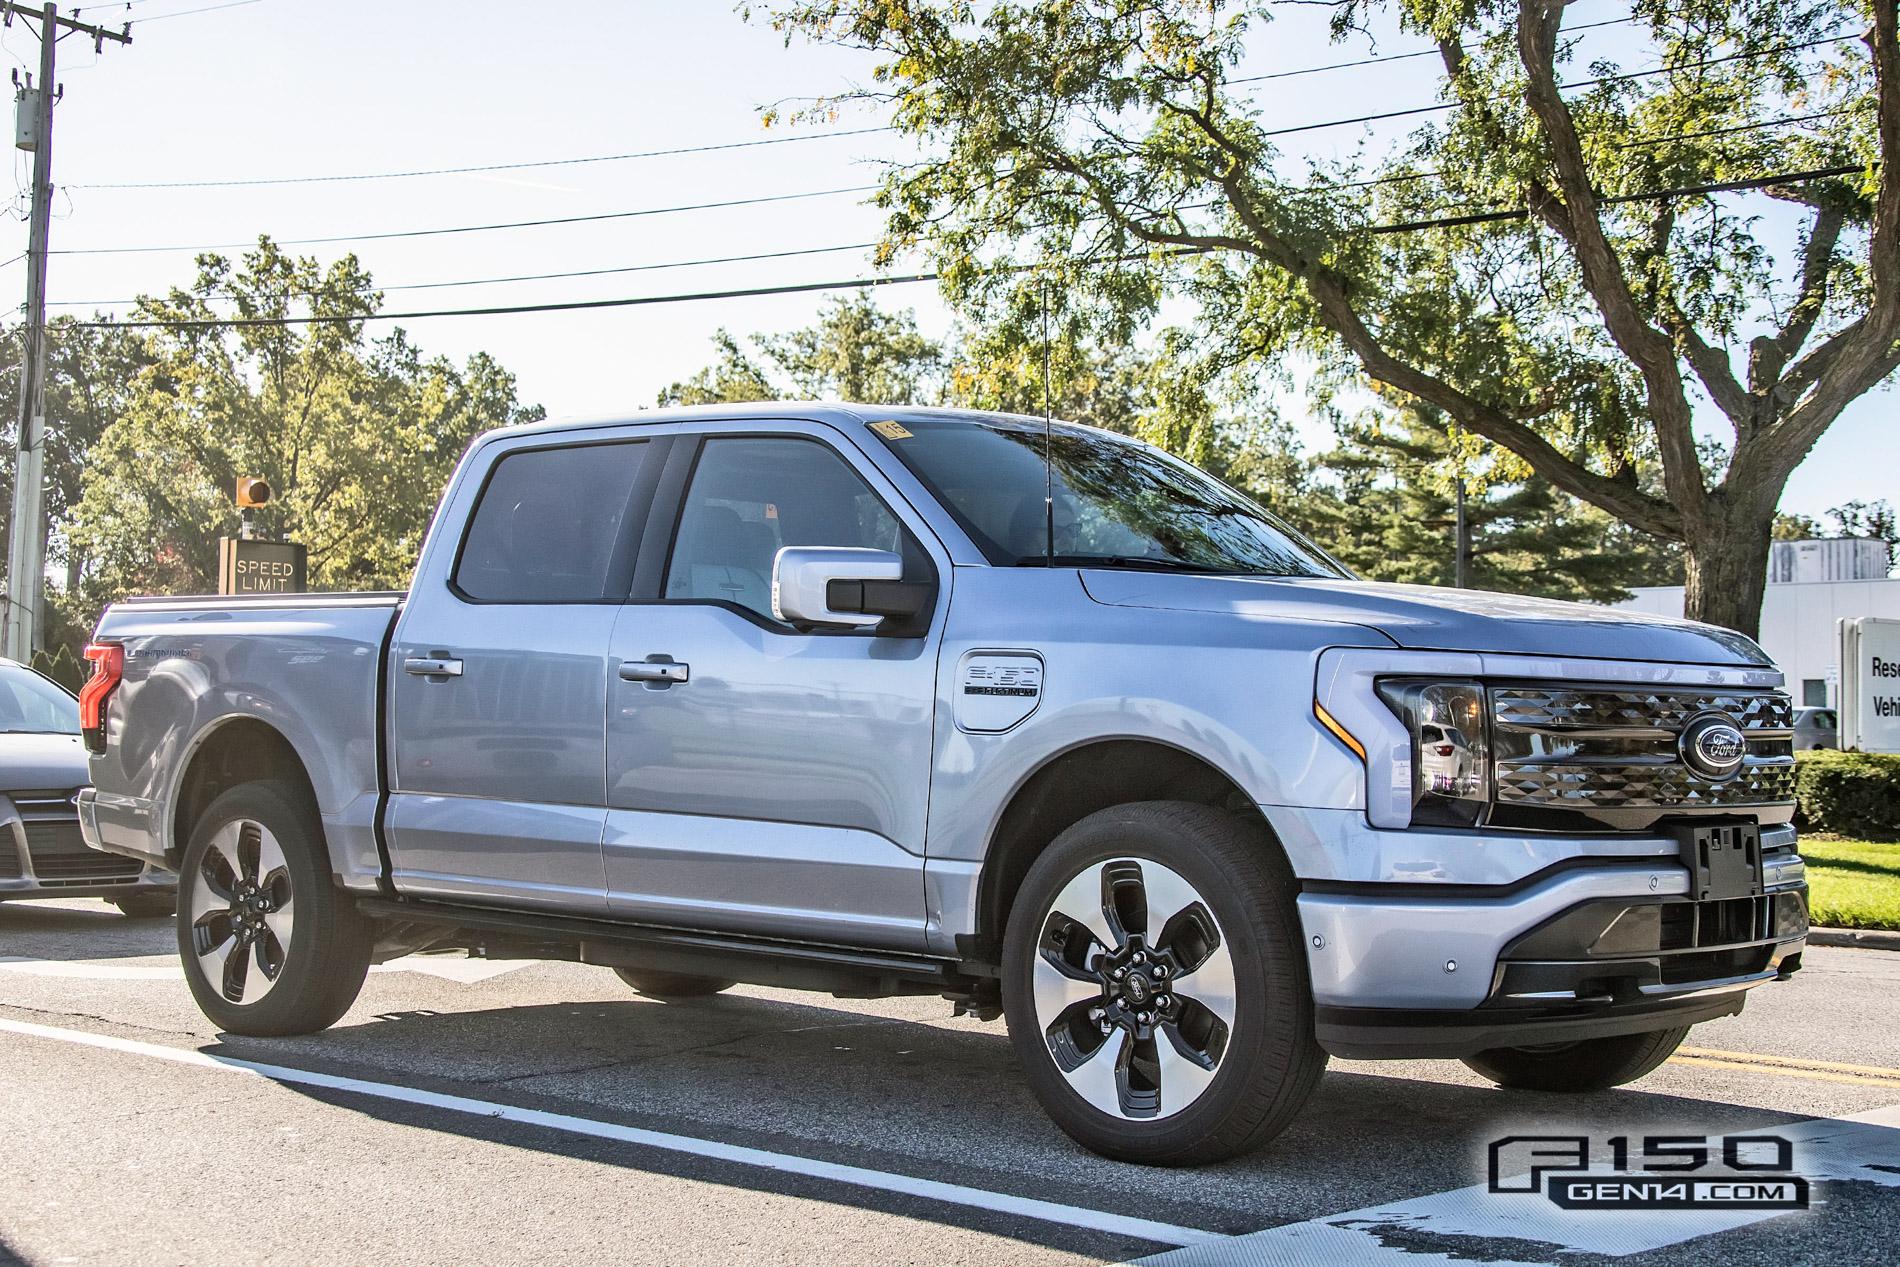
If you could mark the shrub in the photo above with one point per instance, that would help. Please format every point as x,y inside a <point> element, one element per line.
<point>1853,793</point>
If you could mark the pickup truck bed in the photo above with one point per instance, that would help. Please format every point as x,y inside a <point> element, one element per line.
<point>251,674</point>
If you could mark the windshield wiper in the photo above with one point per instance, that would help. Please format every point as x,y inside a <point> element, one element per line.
<point>1132,562</point>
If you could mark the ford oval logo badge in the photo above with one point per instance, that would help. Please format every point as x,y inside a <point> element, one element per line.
<point>1712,745</point>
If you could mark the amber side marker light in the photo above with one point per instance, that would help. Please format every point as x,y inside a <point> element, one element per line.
<point>108,665</point>
<point>1340,733</point>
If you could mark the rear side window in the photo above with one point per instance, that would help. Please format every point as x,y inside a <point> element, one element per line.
<point>548,527</point>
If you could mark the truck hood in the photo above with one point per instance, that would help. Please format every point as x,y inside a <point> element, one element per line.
<point>41,763</point>
<point>1428,617</point>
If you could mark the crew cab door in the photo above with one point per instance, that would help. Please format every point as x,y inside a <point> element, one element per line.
<point>498,670</point>
<point>771,781</point>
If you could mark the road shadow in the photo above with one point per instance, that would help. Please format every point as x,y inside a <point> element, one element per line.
<point>79,929</point>
<point>930,1101</point>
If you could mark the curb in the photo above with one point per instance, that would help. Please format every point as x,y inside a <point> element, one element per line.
<point>1865,938</point>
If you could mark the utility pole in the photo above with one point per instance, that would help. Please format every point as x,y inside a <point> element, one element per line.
<point>1461,566</point>
<point>26,540</point>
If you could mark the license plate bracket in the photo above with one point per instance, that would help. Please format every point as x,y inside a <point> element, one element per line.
<point>1724,859</point>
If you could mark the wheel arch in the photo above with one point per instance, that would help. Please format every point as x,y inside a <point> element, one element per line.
<point>1069,786</point>
<point>235,749</point>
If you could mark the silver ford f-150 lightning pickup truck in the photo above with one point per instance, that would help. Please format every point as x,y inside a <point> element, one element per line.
<point>879,700</point>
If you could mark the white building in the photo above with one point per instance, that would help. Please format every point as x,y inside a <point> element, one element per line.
<point>1812,586</point>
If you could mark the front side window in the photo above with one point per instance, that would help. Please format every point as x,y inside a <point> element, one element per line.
<point>31,705</point>
<point>1116,503</point>
<point>547,527</point>
<point>750,496</point>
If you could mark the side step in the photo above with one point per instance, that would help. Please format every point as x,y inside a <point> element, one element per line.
<point>845,971</point>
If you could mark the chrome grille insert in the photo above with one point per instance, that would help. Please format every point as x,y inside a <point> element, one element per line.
<point>1598,750</point>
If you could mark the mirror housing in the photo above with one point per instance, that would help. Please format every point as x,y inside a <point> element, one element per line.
<point>846,587</point>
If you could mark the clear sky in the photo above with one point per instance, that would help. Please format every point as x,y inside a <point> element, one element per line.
<point>270,88</point>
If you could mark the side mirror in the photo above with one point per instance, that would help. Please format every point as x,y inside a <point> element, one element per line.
<point>847,587</point>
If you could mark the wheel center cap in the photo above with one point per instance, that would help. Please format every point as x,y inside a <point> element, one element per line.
<point>1136,988</point>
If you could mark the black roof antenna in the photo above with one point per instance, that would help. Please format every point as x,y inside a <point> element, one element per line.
<point>1048,461</point>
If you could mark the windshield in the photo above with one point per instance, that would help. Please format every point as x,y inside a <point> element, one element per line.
<point>31,705</point>
<point>1117,503</point>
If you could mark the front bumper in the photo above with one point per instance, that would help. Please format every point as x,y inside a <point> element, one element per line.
<point>49,855</point>
<point>1587,948</point>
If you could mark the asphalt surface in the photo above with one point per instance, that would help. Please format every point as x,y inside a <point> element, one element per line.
<point>120,1142</point>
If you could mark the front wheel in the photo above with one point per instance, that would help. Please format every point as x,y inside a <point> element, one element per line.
<point>270,944</point>
<point>1594,1064</point>
<point>1156,987</point>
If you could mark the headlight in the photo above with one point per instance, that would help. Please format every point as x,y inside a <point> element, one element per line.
<point>1451,751</point>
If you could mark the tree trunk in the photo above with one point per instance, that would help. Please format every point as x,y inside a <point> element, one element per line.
<point>1726,562</point>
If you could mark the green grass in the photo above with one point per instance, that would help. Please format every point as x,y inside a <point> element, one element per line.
<point>1853,883</point>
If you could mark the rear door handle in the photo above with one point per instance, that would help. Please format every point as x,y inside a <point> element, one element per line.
<point>655,671</point>
<point>432,666</point>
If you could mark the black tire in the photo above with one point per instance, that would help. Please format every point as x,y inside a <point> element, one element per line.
<point>147,904</point>
<point>1270,1062</point>
<point>1595,1064</point>
<point>672,985</point>
<point>321,970</point>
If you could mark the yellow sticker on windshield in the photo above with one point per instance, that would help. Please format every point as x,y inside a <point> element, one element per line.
<point>891,430</point>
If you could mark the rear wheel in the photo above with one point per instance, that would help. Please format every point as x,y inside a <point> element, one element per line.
<point>1591,1065</point>
<point>269,943</point>
<point>1156,987</point>
<point>672,985</point>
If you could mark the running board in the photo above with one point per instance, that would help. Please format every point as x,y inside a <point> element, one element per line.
<point>846,971</point>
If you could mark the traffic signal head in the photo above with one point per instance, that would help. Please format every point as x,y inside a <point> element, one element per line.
<point>252,491</point>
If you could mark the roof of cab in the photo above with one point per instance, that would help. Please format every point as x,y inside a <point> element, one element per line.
<point>838,412</point>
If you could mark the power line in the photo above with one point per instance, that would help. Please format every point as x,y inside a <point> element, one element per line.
<point>1681,191</point>
<point>263,181</point>
<point>716,147</point>
<point>479,228</point>
<point>542,277</point>
<point>486,167</point>
<point>1597,81</point>
<point>621,215</point>
<point>860,283</point>
<point>185,13</point>
<point>865,246</point>
<point>1401,57</point>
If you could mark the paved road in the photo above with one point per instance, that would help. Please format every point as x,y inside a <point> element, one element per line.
<point>474,1112</point>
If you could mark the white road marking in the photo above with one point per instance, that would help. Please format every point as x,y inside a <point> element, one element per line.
<point>763,1159</point>
<point>447,967</point>
<point>1825,1148</point>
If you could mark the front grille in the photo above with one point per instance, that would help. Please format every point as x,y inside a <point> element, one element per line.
<point>1611,754</point>
<point>1565,709</point>
<point>1672,784</point>
<point>48,803</point>
<point>55,849</point>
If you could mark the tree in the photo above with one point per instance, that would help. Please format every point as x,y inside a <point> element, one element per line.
<point>357,437</point>
<point>856,352</point>
<point>1537,263</point>
<point>90,371</point>
<point>1388,511</point>
<point>853,351</point>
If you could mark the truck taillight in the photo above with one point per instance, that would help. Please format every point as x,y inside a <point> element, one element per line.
<point>108,665</point>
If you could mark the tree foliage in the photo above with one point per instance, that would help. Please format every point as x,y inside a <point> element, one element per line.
<point>356,436</point>
<point>1389,511</point>
<point>1535,263</point>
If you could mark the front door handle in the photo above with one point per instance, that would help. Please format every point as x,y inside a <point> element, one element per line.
<point>655,671</point>
<point>432,666</point>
